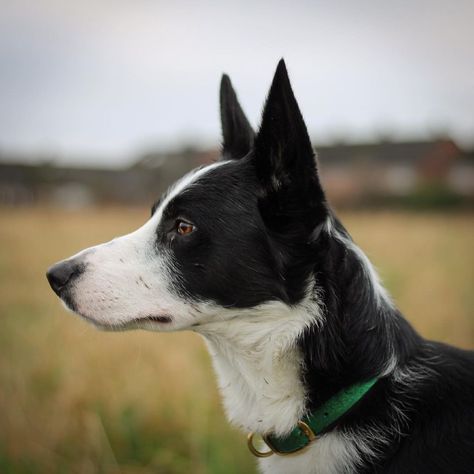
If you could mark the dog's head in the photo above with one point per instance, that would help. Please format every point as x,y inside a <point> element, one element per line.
<point>232,235</point>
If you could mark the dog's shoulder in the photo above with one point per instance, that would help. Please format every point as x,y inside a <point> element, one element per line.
<point>452,387</point>
<point>442,436</point>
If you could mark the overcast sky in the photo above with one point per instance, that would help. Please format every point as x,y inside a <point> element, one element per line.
<point>103,80</point>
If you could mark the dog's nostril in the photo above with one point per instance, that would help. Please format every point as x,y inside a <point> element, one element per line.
<point>61,273</point>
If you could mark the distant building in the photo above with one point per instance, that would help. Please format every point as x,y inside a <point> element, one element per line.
<point>461,176</point>
<point>358,171</point>
<point>71,187</point>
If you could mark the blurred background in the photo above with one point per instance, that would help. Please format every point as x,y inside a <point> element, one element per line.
<point>104,103</point>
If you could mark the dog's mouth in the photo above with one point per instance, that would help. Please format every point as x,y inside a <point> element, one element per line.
<point>163,318</point>
<point>141,322</point>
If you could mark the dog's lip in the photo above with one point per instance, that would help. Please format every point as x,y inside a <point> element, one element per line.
<point>155,318</point>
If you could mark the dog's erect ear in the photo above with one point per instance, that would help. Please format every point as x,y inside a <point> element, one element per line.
<point>238,135</point>
<point>284,157</point>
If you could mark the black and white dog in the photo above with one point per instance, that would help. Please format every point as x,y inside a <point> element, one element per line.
<point>248,253</point>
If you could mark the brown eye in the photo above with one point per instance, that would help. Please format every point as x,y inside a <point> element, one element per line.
<point>184,228</point>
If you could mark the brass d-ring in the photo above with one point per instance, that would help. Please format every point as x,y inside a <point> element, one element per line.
<point>254,450</point>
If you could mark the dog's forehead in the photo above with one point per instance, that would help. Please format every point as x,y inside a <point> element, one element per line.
<point>219,182</point>
<point>181,186</point>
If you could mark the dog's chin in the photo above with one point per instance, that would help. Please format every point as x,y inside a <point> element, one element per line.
<point>151,322</point>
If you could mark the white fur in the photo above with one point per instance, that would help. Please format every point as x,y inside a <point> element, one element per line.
<point>380,293</point>
<point>258,364</point>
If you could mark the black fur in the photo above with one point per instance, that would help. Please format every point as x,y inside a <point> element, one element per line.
<point>229,259</point>
<point>262,234</point>
<point>238,135</point>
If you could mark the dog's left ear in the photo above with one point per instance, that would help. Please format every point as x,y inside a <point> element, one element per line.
<point>238,135</point>
<point>284,159</point>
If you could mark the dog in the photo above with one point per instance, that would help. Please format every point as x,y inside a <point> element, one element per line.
<point>309,349</point>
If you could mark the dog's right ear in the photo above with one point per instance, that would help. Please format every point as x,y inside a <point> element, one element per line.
<point>238,135</point>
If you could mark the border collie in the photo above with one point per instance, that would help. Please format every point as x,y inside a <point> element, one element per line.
<point>310,351</point>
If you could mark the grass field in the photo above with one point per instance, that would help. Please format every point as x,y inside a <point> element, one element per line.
<point>76,400</point>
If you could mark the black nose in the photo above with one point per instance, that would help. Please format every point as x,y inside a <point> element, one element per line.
<point>60,274</point>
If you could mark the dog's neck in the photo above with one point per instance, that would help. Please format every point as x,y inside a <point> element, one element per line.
<point>277,362</point>
<point>259,364</point>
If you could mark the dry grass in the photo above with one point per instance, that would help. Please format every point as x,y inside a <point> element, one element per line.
<point>76,400</point>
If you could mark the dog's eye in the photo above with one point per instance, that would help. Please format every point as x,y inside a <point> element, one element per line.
<point>184,228</point>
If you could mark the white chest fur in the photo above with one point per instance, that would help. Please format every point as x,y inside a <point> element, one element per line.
<point>258,365</point>
<point>262,391</point>
<point>260,385</point>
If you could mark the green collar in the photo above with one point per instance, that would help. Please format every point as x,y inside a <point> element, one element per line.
<point>314,424</point>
